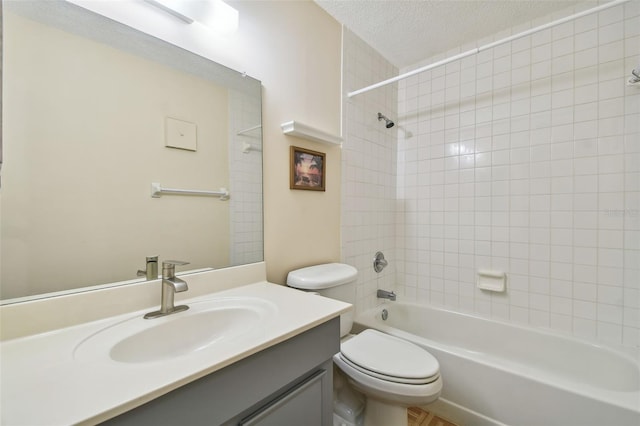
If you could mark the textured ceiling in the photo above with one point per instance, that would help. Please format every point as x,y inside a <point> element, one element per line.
<point>406,32</point>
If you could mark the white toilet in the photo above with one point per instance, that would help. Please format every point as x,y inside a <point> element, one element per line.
<point>391,372</point>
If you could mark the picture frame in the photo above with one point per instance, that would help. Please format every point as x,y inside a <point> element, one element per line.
<point>307,169</point>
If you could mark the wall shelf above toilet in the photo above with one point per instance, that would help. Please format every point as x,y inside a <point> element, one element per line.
<point>295,128</point>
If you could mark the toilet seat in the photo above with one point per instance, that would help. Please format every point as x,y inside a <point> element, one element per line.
<point>389,378</point>
<point>378,354</point>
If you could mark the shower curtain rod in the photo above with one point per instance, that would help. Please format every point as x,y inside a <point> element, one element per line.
<point>487,46</point>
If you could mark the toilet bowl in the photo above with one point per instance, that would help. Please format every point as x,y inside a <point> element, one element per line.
<point>390,372</point>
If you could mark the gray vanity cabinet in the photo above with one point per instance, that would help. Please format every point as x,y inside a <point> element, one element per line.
<point>290,384</point>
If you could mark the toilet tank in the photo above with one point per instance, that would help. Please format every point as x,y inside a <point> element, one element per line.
<point>333,280</point>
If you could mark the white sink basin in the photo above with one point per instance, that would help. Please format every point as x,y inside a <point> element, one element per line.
<point>205,324</point>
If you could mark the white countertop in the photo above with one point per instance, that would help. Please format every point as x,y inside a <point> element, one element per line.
<point>42,383</point>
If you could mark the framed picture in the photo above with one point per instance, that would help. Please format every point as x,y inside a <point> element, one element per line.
<point>307,169</point>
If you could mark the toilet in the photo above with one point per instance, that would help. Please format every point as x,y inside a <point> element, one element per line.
<point>390,372</point>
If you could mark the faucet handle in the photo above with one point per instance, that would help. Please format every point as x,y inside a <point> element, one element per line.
<point>379,262</point>
<point>151,268</point>
<point>169,267</point>
<point>174,263</point>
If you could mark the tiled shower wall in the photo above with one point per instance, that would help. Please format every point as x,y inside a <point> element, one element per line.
<point>369,169</point>
<point>526,159</point>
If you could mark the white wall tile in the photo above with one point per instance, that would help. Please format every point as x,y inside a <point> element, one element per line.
<point>369,161</point>
<point>540,187</point>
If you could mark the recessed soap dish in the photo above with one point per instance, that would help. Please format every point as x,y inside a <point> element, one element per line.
<point>491,280</point>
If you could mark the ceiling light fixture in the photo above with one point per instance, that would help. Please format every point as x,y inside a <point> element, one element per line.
<point>215,14</point>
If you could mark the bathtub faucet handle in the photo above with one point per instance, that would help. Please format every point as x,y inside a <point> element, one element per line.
<point>379,262</point>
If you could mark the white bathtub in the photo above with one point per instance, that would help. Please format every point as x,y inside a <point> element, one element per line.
<point>498,373</point>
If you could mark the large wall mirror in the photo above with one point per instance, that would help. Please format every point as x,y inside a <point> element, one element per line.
<point>94,112</point>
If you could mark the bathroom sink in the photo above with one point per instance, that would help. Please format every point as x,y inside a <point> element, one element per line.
<point>204,325</point>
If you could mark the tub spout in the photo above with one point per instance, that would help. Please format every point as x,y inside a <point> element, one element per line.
<point>382,294</point>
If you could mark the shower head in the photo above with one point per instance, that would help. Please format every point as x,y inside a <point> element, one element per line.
<point>389,124</point>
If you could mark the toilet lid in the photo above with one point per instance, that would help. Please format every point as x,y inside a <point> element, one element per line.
<point>389,356</point>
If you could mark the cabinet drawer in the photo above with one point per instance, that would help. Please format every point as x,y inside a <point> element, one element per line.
<point>302,405</point>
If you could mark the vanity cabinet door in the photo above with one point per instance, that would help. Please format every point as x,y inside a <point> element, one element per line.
<point>300,406</point>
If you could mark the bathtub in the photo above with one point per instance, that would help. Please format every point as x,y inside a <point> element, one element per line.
<point>495,373</point>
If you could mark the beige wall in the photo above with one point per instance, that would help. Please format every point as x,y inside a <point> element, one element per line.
<point>298,58</point>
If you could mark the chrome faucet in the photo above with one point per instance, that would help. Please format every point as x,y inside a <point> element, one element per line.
<point>382,294</point>
<point>170,285</point>
<point>151,269</point>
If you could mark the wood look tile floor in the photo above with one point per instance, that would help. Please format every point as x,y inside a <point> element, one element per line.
<point>419,417</point>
